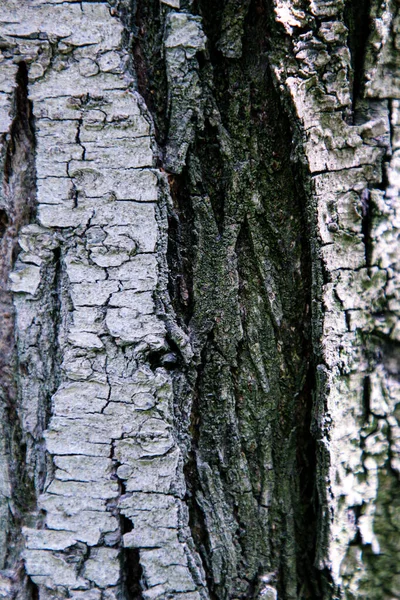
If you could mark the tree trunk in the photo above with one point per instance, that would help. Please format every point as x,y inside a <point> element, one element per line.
<point>199,292</point>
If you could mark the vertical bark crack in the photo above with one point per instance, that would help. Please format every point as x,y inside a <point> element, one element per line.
<point>17,208</point>
<point>366,225</point>
<point>358,20</point>
<point>367,399</point>
<point>131,567</point>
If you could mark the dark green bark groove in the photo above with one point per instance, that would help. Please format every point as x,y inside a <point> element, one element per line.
<point>240,283</point>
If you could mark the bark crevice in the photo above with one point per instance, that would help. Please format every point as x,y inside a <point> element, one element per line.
<point>357,17</point>
<point>17,200</point>
<point>222,187</point>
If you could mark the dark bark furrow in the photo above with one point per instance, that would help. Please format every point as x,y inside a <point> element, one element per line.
<point>251,188</point>
<point>17,199</point>
<point>357,16</point>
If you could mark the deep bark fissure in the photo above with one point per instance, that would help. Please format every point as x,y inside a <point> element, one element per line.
<point>131,571</point>
<point>366,225</point>
<point>19,193</point>
<point>3,222</point>
<point>59,289</point>
<point>131,567</point>
<point>197,522</point>
<point>180,250</point>
<point>367,399</point>
<point>22,137</point>
<point>34,591</point>
<point>357,18</point>
<point>18,207</point>
<point>224,76</point>
<point>147,50</point>
<point>310,579</point>
<point>187,388</point>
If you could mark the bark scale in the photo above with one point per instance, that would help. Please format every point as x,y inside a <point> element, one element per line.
<point>199,298</point>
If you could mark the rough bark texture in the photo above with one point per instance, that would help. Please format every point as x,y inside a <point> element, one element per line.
<point>199,300</point>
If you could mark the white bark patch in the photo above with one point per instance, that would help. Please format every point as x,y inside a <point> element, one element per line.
<point>363,271</point>
<point>110,424</point>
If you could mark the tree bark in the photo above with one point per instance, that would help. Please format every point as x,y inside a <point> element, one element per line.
<point>199,292</point>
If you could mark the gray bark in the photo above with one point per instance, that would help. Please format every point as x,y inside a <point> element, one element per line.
<point>199,298</point>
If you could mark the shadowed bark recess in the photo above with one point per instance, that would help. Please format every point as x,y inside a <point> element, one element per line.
<point>17,201</point>
<point>240,283</point>
<point>245,282</point>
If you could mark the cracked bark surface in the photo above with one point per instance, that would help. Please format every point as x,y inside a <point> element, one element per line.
<point>199,292</point>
